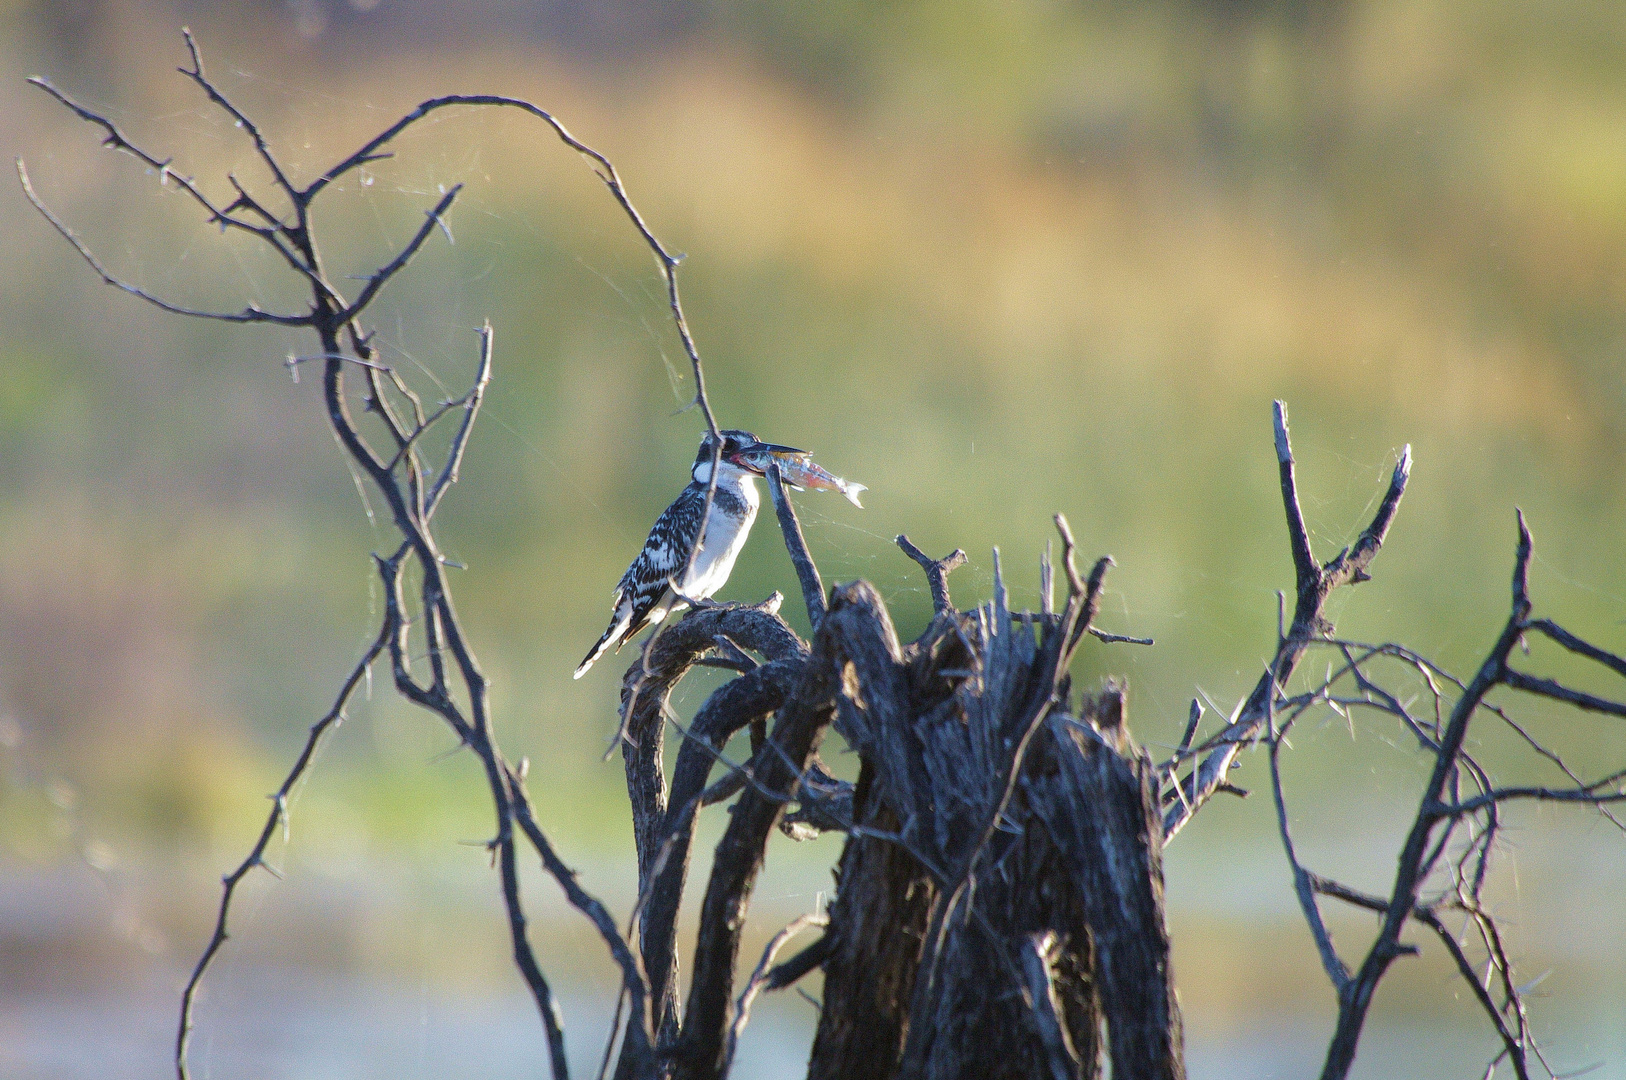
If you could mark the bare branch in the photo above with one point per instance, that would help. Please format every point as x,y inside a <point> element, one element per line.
<point>195,73</point>
<point>729,708</point>
<point>633,980</point>
<point>1511,1043</point>
<point>1303,885</point>
<point>938,570</point>
<point>379,277</point>
<point>117,140</point>
<point>412,493</point>
<point>471,408</point>
<point>796,544</point>
<point>1298,538</point>
<point>1118,639</point>
<point>1576,645</point>
<point>1075,584</point>
<point>761,979</point>
<point>1357,996</point>
<point>525,957</point>
<point>1349,568</point>
<point>606,173</point>
<point>1590,794</point>
<point>1518,680</point>
<point>1314,586</point>
<point>792,970</point>
<point>855,619</point>
<point>389,570</point>
<point>251,314</point>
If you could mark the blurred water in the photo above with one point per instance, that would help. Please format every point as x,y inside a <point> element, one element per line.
<point>315,1028</point>
<point>294,996</point>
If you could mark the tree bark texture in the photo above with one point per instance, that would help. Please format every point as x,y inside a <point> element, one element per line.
<point>1000,898</point>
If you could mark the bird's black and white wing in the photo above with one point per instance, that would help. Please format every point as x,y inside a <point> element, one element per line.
<point>639,596</point>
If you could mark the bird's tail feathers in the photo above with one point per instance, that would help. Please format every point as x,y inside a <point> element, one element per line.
<point>615,635</point>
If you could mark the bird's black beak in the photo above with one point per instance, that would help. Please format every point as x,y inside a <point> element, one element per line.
<point>756,456</point>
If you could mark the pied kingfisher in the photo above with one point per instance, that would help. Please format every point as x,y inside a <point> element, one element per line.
<point>645,594</point>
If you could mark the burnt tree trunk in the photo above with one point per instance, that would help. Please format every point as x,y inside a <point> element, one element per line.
<point>1001,901</point>
<point>999,905</point>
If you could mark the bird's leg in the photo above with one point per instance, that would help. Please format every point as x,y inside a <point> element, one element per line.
<point>696,602</point>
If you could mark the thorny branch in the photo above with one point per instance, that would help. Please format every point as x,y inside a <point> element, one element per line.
<point>1442,810</point>
<point>1454,833</point>
<point>388,569</point>
<point>1314,584</point>
<point>413,494</point>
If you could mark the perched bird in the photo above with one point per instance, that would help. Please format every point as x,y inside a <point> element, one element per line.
<point>645,594</point>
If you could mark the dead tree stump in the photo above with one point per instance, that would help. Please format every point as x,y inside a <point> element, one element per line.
<point>1000,899</point>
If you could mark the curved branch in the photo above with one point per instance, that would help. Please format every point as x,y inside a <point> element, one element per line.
<point>762,978</point>
<point>855,611</point>
<point>606,173</point>
<point>730,708</point>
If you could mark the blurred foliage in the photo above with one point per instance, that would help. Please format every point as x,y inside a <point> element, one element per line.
<point>993,260</point>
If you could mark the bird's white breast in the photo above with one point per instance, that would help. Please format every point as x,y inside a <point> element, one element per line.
<point>724,537</point>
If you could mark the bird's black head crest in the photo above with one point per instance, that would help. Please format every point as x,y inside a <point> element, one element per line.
<point>741,449</point>
<point>735,442</point>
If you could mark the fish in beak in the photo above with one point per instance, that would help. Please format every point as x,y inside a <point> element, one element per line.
<point>798,469</point>
<point>756,456</point>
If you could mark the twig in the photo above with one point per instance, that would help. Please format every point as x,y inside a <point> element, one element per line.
<point>388,570</point>
<point>1302,883</point>
<point>1576,645</point>
<point>250,314</point>
<point>938,570</point>
<point>471,409</point>
<point>1315,584</point>
<point>260,146</point>
<point>633,980</point>
<point>1512,1047</point>
<point>380,277</point>
<point>1356,996</point>
<point>1518,680</point>
<point>761,978</point>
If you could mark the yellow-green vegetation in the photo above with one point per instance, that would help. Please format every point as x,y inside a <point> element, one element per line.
<point>993,260</point>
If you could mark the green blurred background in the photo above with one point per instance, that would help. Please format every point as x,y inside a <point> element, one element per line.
<point>994,260</point>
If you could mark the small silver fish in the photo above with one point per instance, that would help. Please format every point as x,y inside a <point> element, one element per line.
<point>800,471</point>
